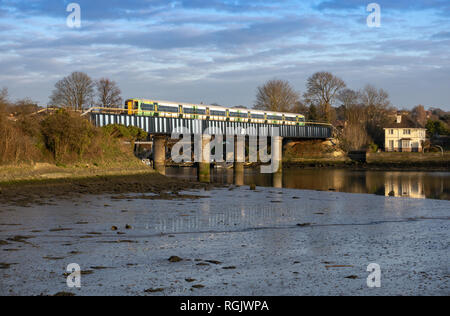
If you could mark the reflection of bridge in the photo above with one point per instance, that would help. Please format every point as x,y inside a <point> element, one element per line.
<point>160,127</point>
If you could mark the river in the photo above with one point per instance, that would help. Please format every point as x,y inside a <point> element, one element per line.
<point>412,184</point>
<point>236,241</point>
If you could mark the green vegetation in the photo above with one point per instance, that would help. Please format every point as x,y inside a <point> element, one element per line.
<point>63,138</point>
<point>437,127</point>
<point>130,133</point>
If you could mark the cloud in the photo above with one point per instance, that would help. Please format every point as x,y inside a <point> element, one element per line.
<point>130,9</point>
<point>220,51</point>
<point>385,4</point>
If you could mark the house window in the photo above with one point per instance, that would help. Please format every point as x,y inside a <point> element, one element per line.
<point>391,132</point>
<point>406,132</point>
<point>391,144</point>
<point>406,144</point>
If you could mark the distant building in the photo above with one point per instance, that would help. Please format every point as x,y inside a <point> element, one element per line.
<point>404,135</point>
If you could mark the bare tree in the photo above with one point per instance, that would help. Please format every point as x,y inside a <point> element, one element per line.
<point>419,114</point>
<point>348,97</point>
<point>353,112</point>
<point>354,135</point>
<point>373,98</point>
<point>322,90</point>
<point>377,110</point>
<point>75,91</point>
<point>276,95</point>
<point>300,108</point>
<point>109,94</point>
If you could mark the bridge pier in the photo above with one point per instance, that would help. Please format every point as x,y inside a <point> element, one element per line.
<point>277,153</point>
<point>238,178</point>
<point>204,165</point>
<point>277,180</point>
<point>239,154</point>
<point>159,153</point>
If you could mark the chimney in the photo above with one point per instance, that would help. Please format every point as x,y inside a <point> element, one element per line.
<point>399,118</point>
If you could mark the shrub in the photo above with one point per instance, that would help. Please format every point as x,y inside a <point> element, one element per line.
<point>67,135</point>
<point>130,133</point>
<point>373,148</point>
<point>15,145</point>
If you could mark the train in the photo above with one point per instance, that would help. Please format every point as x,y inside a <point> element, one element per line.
<point>144,107</point>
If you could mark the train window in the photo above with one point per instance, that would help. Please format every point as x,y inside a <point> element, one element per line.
<point>217,113</point>
<point>274,118</point>
<point>165,108</point>
<point>257,116</point>
<point>189,110</point>
<point>301,119</point>
<point>291,119</point>
<point>147,107</point>
<point>136,105</point>
<point>194,111</point>
<point>200,111</point>
<point>236,114</point>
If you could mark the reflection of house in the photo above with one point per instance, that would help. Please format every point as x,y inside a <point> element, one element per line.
<point>403,186</point>
<point>404,135</point>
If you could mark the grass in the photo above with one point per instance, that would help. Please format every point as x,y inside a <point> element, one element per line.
<point>28,173</point>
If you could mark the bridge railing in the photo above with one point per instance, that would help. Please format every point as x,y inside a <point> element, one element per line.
<point>126,111</point>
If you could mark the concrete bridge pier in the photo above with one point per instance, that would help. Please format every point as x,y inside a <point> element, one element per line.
<point>238,178</point>
<point>277,180</point>
<point>159,153</point>
<point>239,154</point>
<point>277,153</point>
<point>239,160</point>
<point>204,165</point>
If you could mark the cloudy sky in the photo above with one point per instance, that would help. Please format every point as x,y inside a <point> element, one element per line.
<point>220,51</point>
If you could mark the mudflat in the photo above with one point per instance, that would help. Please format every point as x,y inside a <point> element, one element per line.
<point>24,193</point>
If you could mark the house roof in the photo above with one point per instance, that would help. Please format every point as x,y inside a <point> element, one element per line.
<point>405,123</point>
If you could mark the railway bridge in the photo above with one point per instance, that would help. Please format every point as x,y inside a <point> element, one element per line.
<point>238,132</point>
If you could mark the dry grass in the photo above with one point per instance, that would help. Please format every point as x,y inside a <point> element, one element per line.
<point>44,171</point>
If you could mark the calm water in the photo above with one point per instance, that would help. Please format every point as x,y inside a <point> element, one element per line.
<point>420,185</point>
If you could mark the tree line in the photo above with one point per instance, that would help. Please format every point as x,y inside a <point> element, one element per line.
<point>328,99</point>
<point>60,137</point>
<point>78,91</point>
<point>359,115</point>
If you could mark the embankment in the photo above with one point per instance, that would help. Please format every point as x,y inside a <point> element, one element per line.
<point>322,154</point>
<point>422,161</point>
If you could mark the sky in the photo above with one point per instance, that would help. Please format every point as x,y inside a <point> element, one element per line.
<point>216,51</point>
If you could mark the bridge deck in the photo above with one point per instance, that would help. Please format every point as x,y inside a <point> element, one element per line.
<point>162,125</point>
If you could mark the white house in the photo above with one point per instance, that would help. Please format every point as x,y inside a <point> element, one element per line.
<point>404,135</point>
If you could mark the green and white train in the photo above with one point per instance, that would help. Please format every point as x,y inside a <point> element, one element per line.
<point>143,107</point>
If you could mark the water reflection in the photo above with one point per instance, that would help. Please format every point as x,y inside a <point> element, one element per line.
<point>400,185</point>
<point>433,185</point>
<point>232,219</point>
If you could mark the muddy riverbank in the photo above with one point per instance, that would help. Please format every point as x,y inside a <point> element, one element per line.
<point>231,241</point>
<point>45,191</point>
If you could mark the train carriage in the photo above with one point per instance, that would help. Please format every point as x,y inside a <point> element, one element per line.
<point>257,116</point>
<point>275,118</point>
<point>143,107</point>
<point>217,113</point>
<point>238,115</point>
<point>290,119</point>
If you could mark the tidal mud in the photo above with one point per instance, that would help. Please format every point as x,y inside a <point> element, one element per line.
<point>227,243</point>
